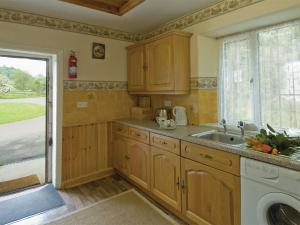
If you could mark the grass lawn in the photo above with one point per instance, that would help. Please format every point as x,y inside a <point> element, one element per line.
<point>12,112</point>
<point>12,95</point>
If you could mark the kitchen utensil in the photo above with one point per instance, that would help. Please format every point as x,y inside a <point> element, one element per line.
<point>179,113</point>
<point>163,113</point>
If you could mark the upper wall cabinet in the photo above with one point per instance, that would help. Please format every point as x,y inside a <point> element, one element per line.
<point>160,65</point>
<point>136,68</point>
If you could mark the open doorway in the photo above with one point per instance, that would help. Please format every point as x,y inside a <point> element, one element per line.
<point>25,121</point>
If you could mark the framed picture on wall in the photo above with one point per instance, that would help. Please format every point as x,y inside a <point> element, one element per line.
<point>98,51</point>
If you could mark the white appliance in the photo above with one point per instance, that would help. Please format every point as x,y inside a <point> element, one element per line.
<point>180,115</point>
<point>270,194</point>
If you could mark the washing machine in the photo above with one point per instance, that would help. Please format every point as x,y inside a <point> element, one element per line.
<point>270,195</point>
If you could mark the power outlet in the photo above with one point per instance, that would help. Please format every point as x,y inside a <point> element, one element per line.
<point>168,103</point>
<point>82,104</point>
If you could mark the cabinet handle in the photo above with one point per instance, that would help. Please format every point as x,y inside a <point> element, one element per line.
<point>206,156</point>
<point>137,134</point>
<point>127,157</point>
<point>178,183</point>
<point>163,143</point>
<point>185,149</point>
<point>182,186</point>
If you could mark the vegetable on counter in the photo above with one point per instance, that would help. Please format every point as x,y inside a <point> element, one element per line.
<point>273,142</point>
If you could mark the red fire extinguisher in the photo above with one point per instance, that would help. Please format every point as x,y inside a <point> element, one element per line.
<point>72,66</point>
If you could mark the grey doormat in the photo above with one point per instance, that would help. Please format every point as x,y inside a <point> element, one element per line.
<point>29,204</point>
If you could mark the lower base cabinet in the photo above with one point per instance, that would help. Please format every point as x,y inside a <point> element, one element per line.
<point>84,154</point>
<point>165,177</point>
<point>139,163</point>
<point>201,190</point>
<point>120,154</point>
<point>209,196</point>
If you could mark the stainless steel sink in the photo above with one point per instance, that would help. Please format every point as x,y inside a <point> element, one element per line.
<point>221,137</point>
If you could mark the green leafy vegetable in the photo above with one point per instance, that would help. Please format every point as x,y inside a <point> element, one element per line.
<point>281,141</point>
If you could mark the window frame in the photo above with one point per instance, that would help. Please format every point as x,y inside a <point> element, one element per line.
<point>253,37</point>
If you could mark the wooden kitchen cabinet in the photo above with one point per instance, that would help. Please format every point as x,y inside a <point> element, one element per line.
<point>165,177</point>
<point>84,154</point>
<point>167,143</point>
<point>139,163</point>
<point>201,185</point>
<point>136,68</point>
<point>159,72</point>
<point>218,159</point>
<point>120,154</point>
<point>160,65</point>
<point>209,196</point>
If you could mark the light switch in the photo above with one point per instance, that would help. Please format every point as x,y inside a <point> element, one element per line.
<point>82,104</point>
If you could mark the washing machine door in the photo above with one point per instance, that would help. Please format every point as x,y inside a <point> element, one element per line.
<point>278,209</point>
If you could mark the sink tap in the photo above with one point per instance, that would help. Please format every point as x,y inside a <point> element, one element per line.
<point>241,125</point>
<point>223,123</point>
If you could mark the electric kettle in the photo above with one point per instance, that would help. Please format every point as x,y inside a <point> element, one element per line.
<point>180,115</point>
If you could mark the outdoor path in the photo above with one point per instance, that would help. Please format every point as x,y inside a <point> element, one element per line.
<point>39,100</point>
<point>22,140</point>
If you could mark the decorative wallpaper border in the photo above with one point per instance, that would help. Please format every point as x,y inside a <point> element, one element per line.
<point>19,17</point>
<point>198,16</point>
<point>78,85</point>
<point>220,8</point>
<point>204,83</point>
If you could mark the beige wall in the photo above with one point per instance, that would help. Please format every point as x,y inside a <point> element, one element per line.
<point>103,105</point>
<point>204,56</point>
<point>113,68</point>
<point>204,50</point>
<point>255,11</point>
<point>202,105</point>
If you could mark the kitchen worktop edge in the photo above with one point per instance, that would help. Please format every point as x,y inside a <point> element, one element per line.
<point>183,133</point>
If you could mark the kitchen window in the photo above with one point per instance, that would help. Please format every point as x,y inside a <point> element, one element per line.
<point>260,76</point>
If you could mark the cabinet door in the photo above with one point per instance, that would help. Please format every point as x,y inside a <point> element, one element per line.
<point>210,196</point>
<point>120,154</point>
<point>159,72</point>
<point>88,137</point>
<point>139,163</point>
<point>136,66</point>
<point>165,177</point>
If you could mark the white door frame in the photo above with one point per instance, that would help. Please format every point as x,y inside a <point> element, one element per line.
<point>55,57</point>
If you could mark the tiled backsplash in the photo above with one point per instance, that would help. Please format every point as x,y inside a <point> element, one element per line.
<point>103,106</point>
<point>108,100</point>
<point>201,105</point>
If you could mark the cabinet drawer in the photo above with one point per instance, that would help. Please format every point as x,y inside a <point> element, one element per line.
<point>120,129</point>
<point>218,159</point>
<point>166,143</point>
<point>139,135</point>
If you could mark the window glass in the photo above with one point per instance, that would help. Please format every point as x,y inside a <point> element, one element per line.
<point>236,78</point>
<point>260,77</point>
<point>279,69</point>
<point>281,214</point>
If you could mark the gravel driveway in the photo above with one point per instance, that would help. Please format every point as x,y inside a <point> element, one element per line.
<point>24,139</point>
<point>38,101</point>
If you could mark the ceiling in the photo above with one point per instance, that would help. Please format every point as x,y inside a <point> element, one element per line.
<point>116,7</point>
<point>146,16</point>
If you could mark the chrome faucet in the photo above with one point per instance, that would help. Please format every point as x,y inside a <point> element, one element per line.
<point>223,123</point>
<point>241,125</point>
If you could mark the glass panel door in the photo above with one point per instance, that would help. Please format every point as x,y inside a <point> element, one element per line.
<point>282,214</point>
